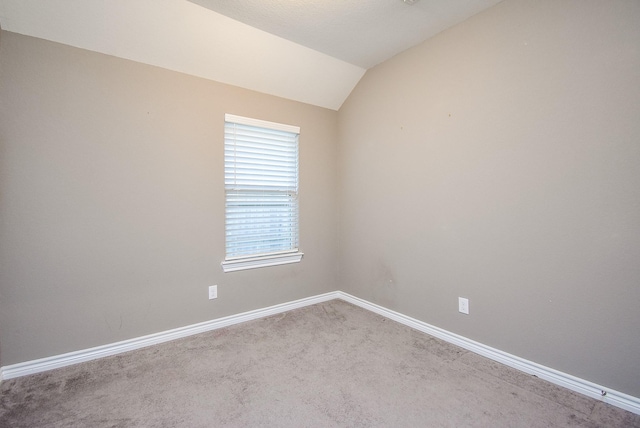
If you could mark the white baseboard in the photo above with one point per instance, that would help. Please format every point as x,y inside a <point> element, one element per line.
<point>590,389</point>
<point>70,358</point>
<point>568,381</point>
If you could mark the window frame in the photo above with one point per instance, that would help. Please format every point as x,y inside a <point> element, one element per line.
<point>252,261</point>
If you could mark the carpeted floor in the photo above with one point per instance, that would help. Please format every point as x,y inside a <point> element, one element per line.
<point>327,365</point>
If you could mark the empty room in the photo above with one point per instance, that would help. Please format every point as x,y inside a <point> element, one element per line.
<point>320,213</point>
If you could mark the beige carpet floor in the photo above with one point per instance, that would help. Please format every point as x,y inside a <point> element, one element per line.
<point>327,365</point>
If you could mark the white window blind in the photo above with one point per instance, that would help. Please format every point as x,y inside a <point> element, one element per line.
<point>261,187</point>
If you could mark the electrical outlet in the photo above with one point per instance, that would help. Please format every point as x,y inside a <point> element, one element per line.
<point>463,305</point>
<point>213,292</point>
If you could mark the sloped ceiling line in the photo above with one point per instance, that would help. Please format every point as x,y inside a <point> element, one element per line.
<point>312,51</point>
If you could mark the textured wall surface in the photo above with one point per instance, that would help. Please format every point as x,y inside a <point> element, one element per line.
<point>499,161</point>
<point>112,200</point>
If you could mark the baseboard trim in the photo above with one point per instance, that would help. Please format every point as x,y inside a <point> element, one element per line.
<point>590,389</point>
<point>70,358</point>
<point>585,387</point>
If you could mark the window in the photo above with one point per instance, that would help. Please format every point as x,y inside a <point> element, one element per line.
<point>261,193</point>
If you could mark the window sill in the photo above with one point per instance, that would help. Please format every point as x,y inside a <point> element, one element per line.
<point>259,262</point>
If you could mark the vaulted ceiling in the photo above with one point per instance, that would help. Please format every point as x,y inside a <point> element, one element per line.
<point>313,51</point>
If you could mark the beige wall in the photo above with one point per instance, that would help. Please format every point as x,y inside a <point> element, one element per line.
<point>499,161</point>
<point>1,198</point>
<point>112,200</point>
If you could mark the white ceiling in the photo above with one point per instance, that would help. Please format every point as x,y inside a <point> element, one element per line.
<point>313,51</point>
<point>360,32</point>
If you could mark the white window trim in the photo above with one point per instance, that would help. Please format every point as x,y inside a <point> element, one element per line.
<point>276,259</point>
<point>261,123</point>
<point>245,263</point>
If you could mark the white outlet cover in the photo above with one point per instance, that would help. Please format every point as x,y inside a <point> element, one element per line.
<point>463,305</point>
<point>213,292</point>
